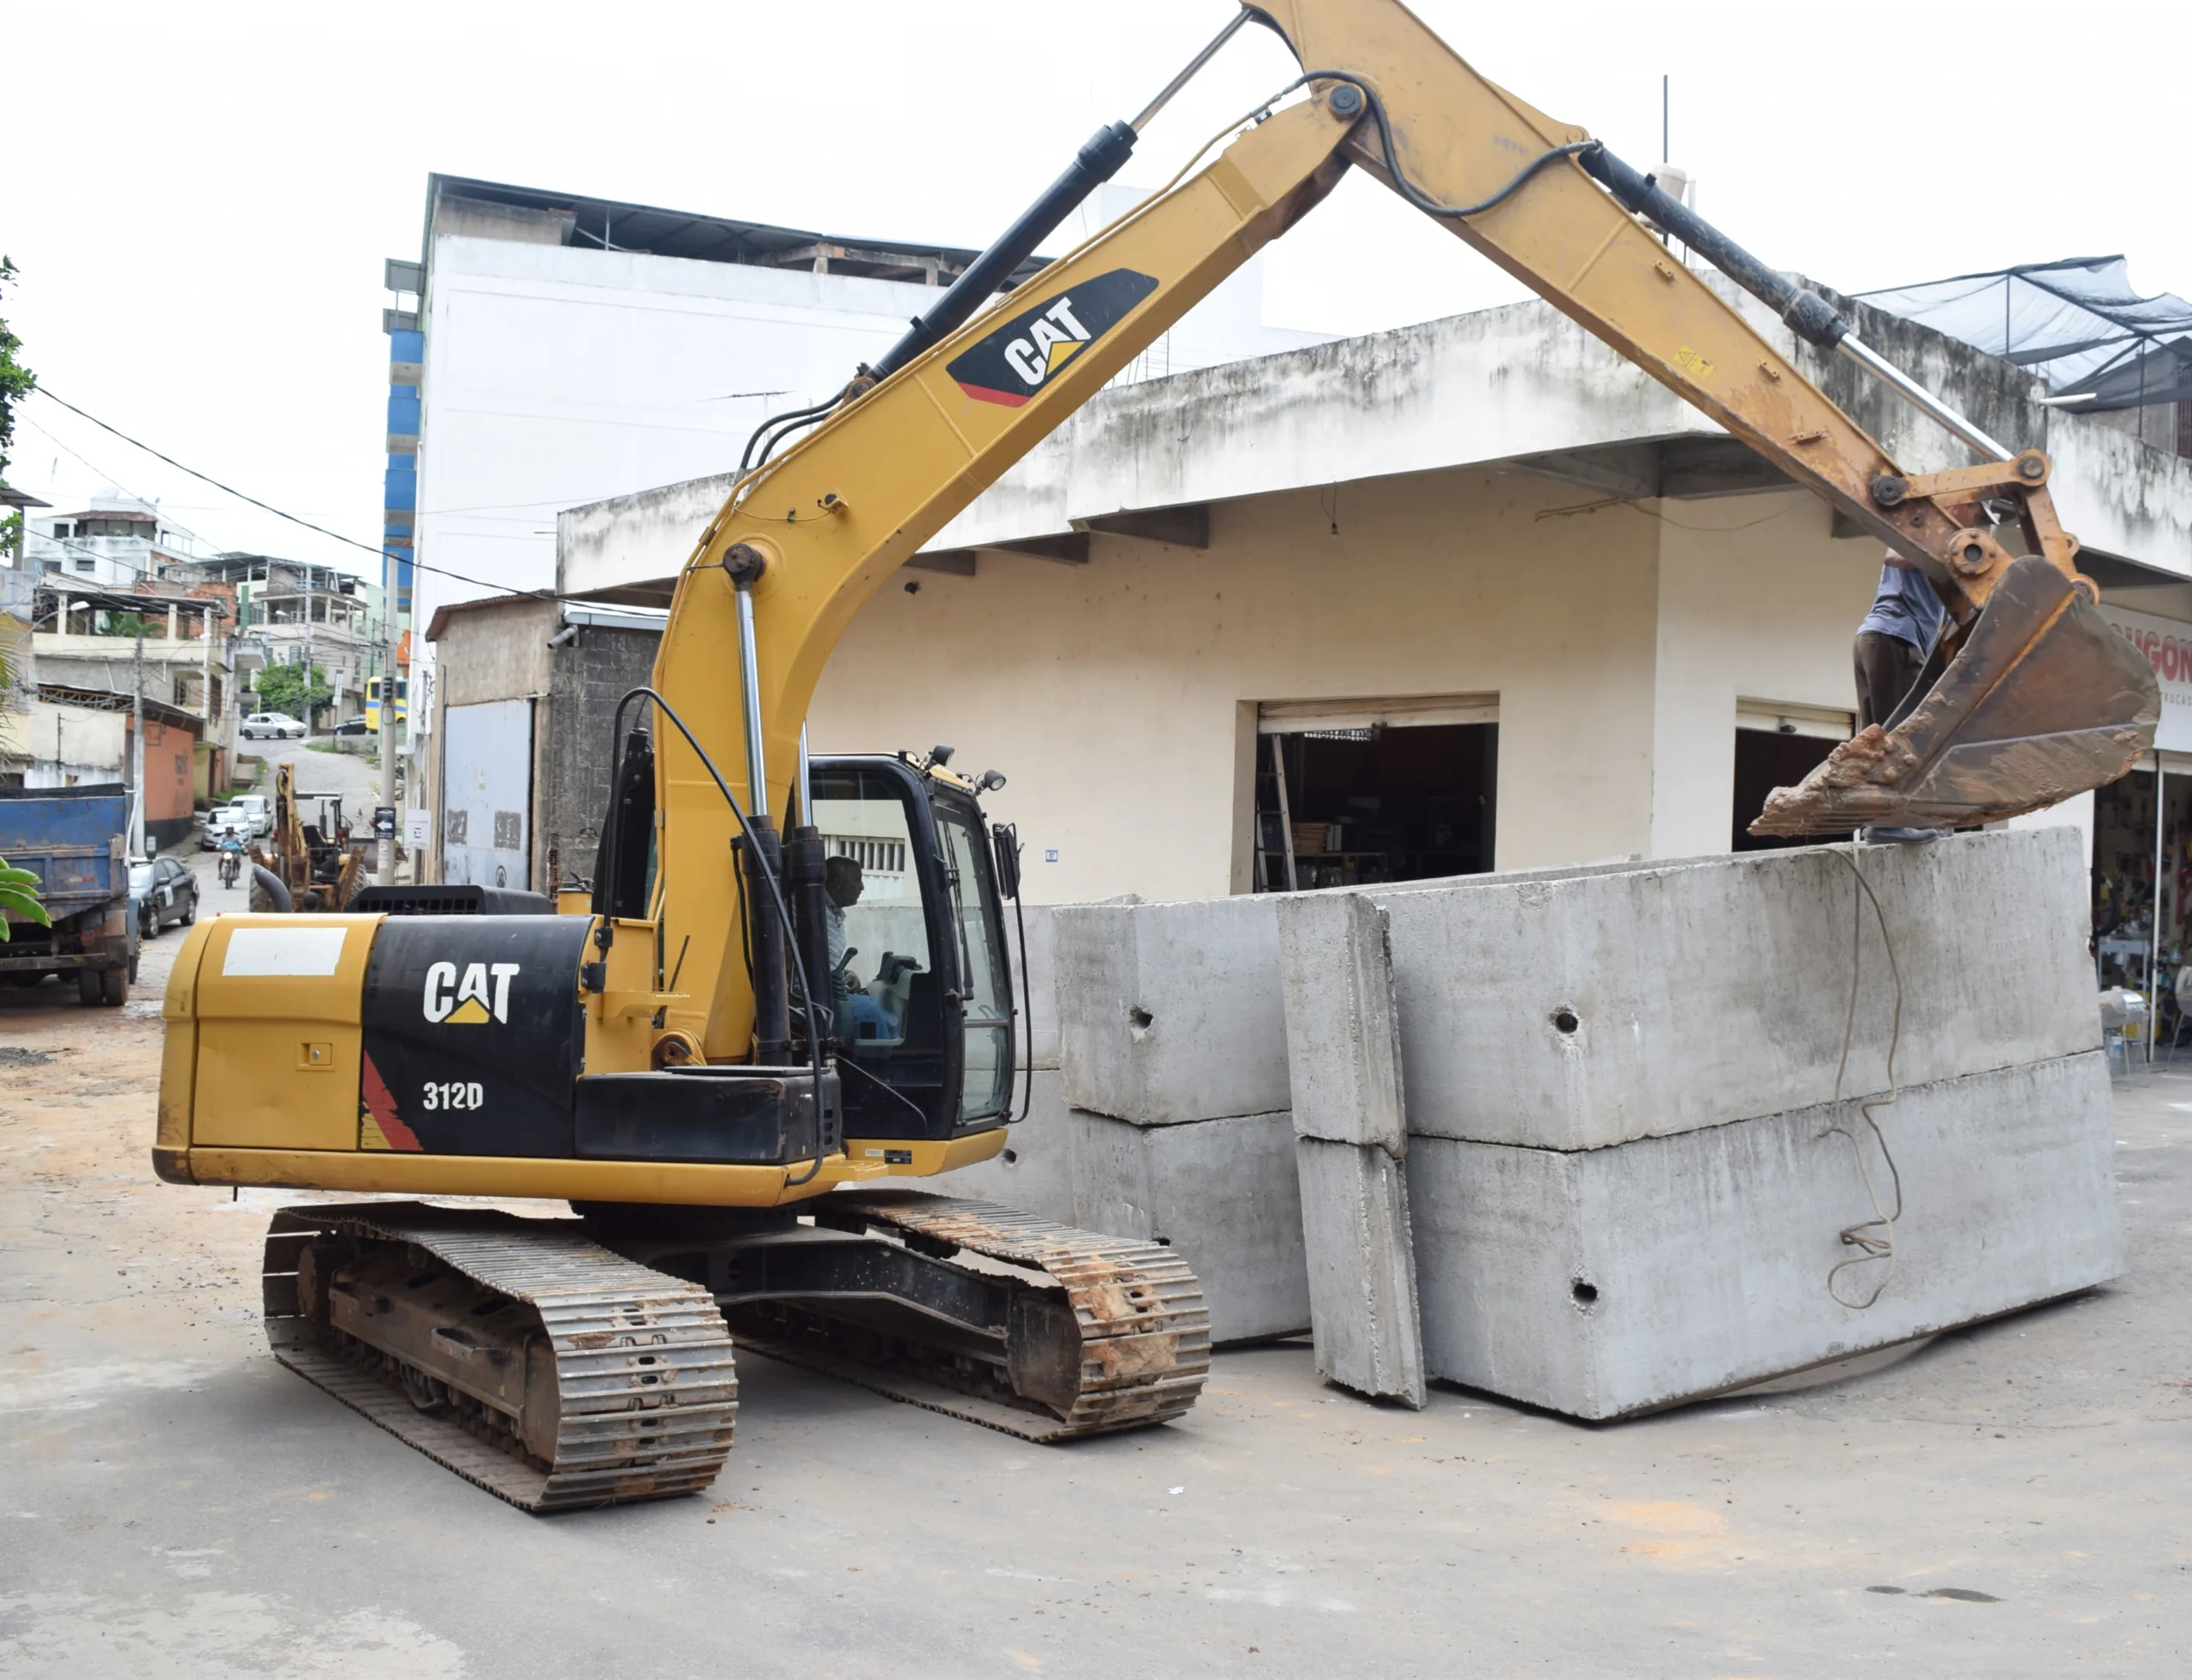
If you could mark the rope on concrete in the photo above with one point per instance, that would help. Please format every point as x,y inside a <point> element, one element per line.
<point>1873,1238</point>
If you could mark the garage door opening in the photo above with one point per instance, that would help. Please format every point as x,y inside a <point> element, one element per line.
<point>1349,792</point>
<point>1777,746</point>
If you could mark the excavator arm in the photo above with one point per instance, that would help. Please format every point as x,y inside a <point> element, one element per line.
<point>2041,700</point>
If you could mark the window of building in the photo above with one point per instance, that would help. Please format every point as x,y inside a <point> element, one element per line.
<point>1776,745</point>
<point>86,562</point>
<point>1359,791</point>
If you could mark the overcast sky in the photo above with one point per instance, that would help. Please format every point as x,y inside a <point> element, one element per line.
<point>200,198</point>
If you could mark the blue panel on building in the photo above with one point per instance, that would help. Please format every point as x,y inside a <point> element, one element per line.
<point>402,413</point>
<point>401,489</point>
<point>406,347</point>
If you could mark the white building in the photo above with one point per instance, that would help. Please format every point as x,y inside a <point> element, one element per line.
<point>1495,597</point>
<point>118,542</point>
<point>576,348</point>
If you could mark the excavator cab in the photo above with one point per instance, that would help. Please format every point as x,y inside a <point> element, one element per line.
<point>895,887</point>
<point>919,979</point>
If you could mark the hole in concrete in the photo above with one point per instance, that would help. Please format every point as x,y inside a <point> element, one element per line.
<point>1897,1592</point>
<point>1565,1021</point>
<point>1585,1291</point>
<point>1011,1157</point>
<point>1140,1019</point>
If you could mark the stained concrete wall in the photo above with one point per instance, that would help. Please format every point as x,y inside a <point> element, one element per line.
<point>1366,543</point>
<point>1152,659</point>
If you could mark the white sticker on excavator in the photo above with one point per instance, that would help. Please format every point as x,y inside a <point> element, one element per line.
<point>288,951</point>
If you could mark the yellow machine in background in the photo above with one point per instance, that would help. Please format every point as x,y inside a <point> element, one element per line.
<point>722,1063</point>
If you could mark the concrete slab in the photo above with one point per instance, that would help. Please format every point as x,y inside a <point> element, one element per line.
<point>1573,1013</point>
<point>1361,1266</point>
<point>1170,1013</point>
<point>1224,1193</point>
<point>1606,1281</point>
<point>1343,1050</point>
<point>1034,1172</point>
<point>1041,995</point>
<point>1343,1036</point>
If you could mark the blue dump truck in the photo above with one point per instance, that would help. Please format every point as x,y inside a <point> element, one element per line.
<point>74,840</point>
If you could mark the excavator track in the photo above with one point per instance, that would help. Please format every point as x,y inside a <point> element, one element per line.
<point>518,1353</point>
<point>1130,1350</point>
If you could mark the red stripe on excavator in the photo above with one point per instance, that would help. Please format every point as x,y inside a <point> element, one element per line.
<point>382,1105</point>
<point>1008,398</point>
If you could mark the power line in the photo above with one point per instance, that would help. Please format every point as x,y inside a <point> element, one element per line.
<point>110,478</point>
<point>267,507</point>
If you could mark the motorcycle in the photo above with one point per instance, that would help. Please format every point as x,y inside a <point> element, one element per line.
<point>231,865</point>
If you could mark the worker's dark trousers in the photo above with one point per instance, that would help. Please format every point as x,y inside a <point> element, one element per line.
<point>1887,667</point>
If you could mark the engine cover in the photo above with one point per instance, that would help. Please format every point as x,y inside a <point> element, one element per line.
<point>474,1034</point>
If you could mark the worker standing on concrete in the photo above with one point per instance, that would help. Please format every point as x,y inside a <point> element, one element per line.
<point>1895,639</point>
<point>1893,644</point>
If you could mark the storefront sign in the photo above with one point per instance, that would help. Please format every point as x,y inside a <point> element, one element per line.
<point>2167,644</point>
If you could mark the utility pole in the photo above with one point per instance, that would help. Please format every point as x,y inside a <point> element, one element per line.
<point>306,690</point>
<point>134,760</point>
<point>388,680</point>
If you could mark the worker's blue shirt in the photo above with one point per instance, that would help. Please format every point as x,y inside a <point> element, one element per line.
<point>1904,607</point>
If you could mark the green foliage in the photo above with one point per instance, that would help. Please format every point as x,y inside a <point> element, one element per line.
<point>19,893</point>
<point>16,380</point>
<point>283,688</point>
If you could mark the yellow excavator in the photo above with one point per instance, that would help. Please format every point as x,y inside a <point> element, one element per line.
<point>690,1057</point>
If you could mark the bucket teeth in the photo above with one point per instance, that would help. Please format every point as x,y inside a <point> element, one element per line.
<point>2045,700</point>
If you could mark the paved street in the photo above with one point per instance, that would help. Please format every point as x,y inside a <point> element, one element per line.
<point>2009,1501</point>
<point>356,776</point>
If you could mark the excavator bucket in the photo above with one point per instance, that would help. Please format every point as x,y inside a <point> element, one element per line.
<point>2045,700</point>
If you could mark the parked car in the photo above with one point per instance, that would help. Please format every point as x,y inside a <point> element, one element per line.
<point>351,726</point>
<point>222,821</point>
<point>163,893</point>
<point>280,725</point>
<point>258,810</point>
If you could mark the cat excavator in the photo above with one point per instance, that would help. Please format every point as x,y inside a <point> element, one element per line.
<point>689,1056</point>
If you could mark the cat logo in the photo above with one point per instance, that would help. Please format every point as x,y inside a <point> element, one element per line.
<point>472,1001</point>
<point>1011,364</point>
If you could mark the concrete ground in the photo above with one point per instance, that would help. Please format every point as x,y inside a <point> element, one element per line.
<point>355,776</point>
<point>2009,1501</point>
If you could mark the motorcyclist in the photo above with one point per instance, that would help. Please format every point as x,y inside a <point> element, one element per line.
<point>231,858</point>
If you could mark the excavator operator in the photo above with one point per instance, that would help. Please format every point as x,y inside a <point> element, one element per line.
<point>842,881</point>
